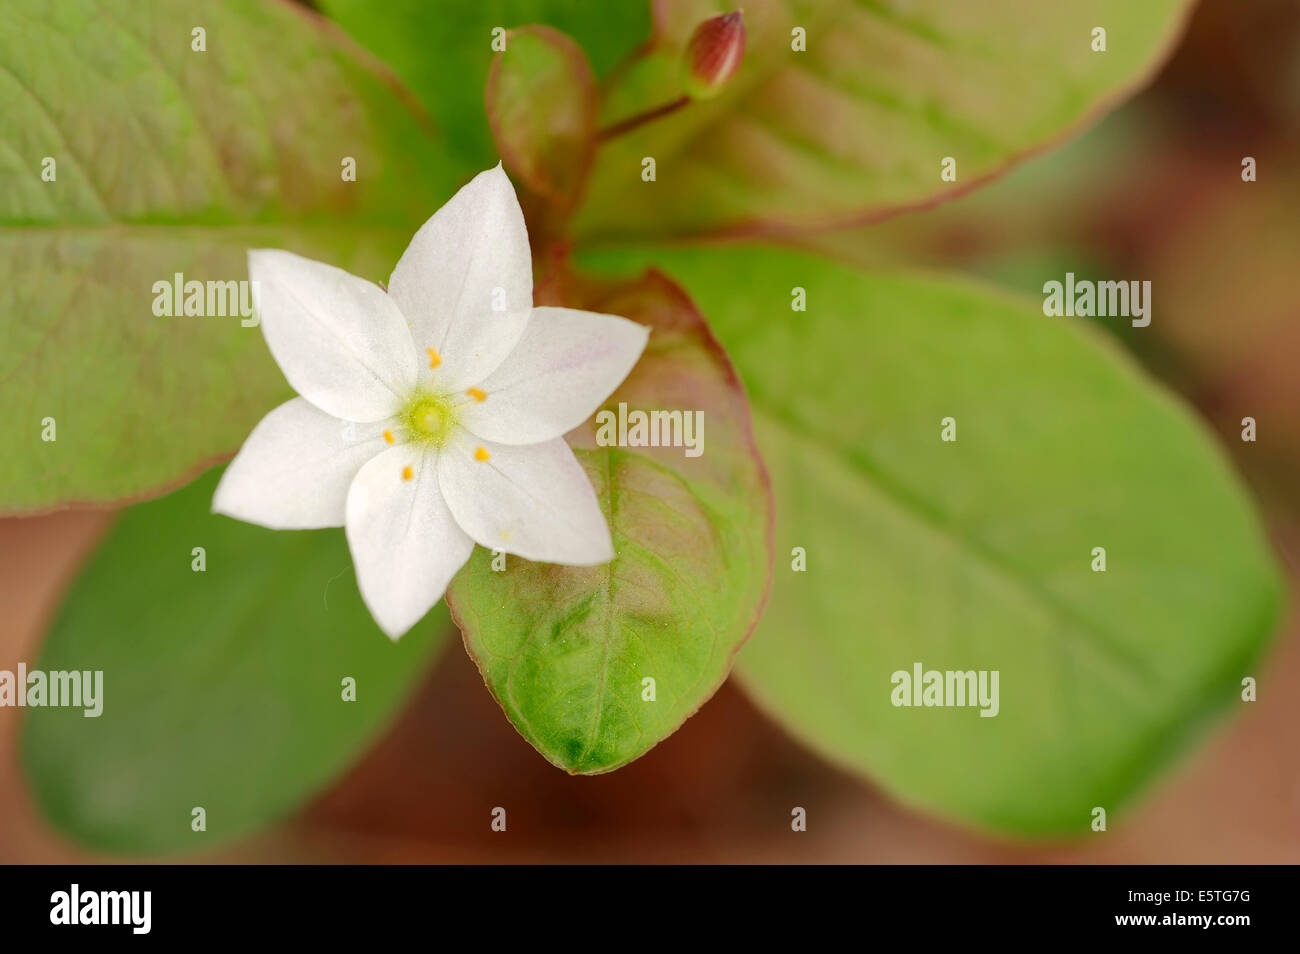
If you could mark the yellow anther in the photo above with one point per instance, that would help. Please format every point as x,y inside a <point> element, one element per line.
<point>407,473</point>
<point>481,454</point>
<point>388,436</point>
<point>476,394</point>
<point>435,359</point>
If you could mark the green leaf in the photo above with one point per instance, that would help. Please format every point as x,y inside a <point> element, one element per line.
<point>977,554</point>
<point>567,650</point>
<point>222,689</point>
<point>855,127</point>
<point>444,50</point>
<point>542,104</point>
<point>169,160</point>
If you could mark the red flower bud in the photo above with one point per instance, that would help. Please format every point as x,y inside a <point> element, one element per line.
<point>713,54</point>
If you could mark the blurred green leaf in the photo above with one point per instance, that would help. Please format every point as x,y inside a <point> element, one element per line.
<point>976,554</point>
<point>444,50</point>
<point>170,160</point>
<point>542,104</point>
<point>856,125</point>
<point>222,689</point>
<point>566,650</point>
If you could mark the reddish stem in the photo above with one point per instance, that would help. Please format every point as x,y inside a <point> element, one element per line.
<point>640,119</point>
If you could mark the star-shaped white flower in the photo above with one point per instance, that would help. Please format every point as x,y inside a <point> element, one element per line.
<point>431,417</point>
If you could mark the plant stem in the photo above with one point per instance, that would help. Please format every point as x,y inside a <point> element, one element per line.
<point>640,119</point>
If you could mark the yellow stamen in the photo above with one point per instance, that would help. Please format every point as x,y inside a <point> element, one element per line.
<point>476,394</point>
<point>481,454</point>
<point>435,359</point>
<point>388,436</point>
<point>407,473</point>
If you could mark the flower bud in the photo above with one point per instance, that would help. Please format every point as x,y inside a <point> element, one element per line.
<point>713,54</point>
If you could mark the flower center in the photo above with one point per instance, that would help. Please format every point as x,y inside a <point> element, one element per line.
<point>429,418</point>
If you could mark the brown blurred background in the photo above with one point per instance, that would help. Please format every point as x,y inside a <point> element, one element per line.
<point>1153,192</point>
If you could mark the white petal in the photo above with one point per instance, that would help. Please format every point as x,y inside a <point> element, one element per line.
<point>340,341</point>
<point>405,544</point>
<point>465,283</point>
<point>565,365</point>
<point>534,501</point>
<point>294,470</point>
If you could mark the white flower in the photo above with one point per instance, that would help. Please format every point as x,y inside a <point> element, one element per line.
<point>431,417</point>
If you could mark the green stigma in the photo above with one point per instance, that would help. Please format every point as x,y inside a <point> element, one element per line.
<point>428,418</point>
